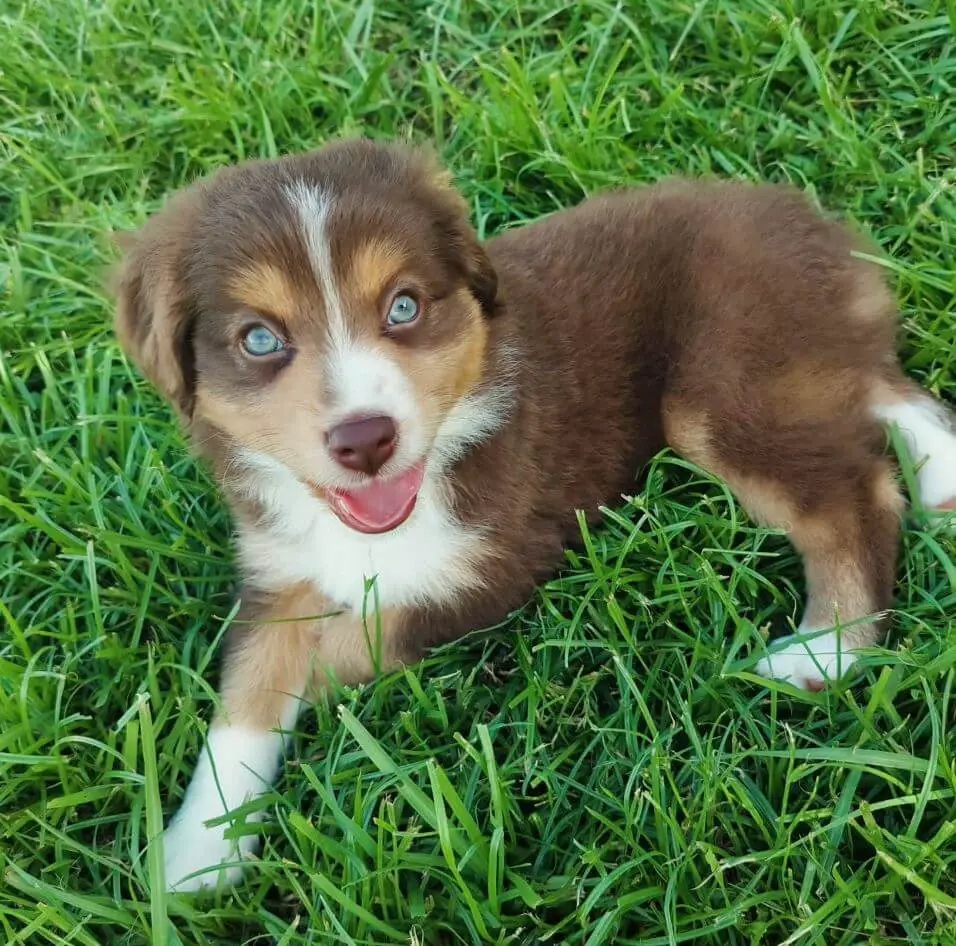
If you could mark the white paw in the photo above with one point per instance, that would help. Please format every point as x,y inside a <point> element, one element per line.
<point>245,764</point>
<point>192,848</point>
<point>808,663</point>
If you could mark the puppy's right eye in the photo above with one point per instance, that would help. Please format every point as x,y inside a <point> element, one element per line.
<point>259,341</point>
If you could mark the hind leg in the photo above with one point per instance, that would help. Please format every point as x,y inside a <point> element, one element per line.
<point>930,435</point>
<point>828,487</point>
<point>849,549</point>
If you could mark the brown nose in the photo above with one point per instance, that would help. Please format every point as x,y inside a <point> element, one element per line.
<point>363,445</point>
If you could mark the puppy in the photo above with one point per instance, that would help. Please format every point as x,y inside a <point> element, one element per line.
<point>404,420</point>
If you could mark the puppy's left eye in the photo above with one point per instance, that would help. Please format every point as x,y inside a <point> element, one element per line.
<point>404,309</point>
<point>260,340</point>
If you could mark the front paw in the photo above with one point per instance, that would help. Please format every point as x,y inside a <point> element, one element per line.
<point>807,663</point>
<point>198,857</point>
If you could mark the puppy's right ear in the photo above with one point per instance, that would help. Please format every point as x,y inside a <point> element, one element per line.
<point>154,319</point>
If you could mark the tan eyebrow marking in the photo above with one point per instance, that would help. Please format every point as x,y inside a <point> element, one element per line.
<point>266,288</point>
<point>374,264</point>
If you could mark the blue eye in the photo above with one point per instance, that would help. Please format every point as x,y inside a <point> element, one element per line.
<point>404,309</point>
<point>261,341</point>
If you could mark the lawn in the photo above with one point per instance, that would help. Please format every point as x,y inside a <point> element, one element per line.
<point>605,767</point>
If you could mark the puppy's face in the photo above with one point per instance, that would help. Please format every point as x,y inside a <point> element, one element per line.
<point>326,311</point>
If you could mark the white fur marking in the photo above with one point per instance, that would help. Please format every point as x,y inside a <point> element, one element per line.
<point>929,437</point>
<point>473,419</point>
<point>430,557</point>
<point>244,764</point>
<point>808,663</point>
<point>313,208</point>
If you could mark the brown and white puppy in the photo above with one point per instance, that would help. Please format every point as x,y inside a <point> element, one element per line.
<point>404,420</point>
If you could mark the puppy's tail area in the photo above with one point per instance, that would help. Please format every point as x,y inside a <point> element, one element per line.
<point>929,431</point>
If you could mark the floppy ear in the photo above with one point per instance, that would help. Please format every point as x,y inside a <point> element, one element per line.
<point>462,239</point>
<point>482,278</point>
<point>153,317</point>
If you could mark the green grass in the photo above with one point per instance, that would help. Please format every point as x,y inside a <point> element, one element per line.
<point>605,768</point>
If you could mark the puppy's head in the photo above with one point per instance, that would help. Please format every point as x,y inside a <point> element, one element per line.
<point>326,312</point>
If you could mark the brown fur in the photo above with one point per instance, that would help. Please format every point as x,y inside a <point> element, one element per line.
<point>846,534</point>
<point>729,321</point>
<point>706,289</point>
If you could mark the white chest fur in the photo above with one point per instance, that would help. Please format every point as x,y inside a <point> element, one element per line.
<point>430,557</point>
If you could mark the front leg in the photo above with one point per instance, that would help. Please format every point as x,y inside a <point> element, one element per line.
<point>281,648</point>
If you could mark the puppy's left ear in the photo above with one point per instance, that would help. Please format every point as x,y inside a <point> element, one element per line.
<point>481,275</point>
<point>468,253</point>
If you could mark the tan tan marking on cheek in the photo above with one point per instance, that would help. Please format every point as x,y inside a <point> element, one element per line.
<point>472,360</point>
<point>267,289</point>
<point>443,375</point>
<point>284,415</point>
<point>221,412</point>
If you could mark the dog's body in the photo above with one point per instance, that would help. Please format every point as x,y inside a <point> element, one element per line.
<point>384,398</point>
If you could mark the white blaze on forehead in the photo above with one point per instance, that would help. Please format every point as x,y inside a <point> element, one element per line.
<point>363,380</point>
<point>313,207</point>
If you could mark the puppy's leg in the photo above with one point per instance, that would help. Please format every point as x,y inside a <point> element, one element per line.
<point>264,678</point>
<point>930,434</point>
<point>849,548</point>
<point>839,505</point>
<point>273,664</point>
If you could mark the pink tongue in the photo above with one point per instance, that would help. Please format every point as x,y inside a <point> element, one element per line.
<point>385,503</point>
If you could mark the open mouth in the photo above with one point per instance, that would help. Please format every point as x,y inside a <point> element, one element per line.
<point>381,506</point>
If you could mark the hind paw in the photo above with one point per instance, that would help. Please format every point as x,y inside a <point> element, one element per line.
<point>807,663</point>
